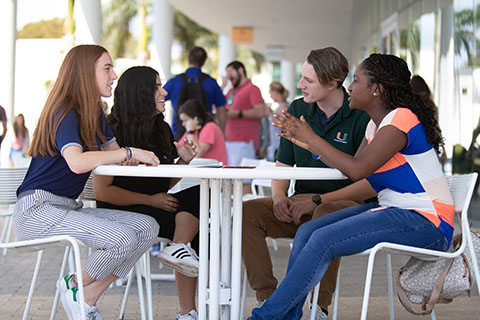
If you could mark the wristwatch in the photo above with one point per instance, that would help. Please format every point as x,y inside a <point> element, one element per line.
<point>317,199</point>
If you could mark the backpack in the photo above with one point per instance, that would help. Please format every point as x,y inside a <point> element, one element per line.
<point>192,89</point>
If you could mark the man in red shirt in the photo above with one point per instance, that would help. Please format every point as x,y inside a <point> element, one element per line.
<point>245,108</point>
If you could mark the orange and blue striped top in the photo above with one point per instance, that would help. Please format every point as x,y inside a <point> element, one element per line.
<point>413,178</point>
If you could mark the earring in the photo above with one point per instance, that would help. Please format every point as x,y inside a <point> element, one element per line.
<point>374,94</point>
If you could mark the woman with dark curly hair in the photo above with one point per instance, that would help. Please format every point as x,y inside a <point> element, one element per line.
<point>396,162</point>
<point>137,120</point>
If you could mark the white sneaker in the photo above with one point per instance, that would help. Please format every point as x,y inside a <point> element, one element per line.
<point>319,314</point>
<point>191,315</point>
<point>180,257</point>
<point>72,306</point>
<point>63,285</point>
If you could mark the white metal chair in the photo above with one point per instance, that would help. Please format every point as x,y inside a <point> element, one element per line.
<point>461,187</point>
<point>41,244</point>
<point>142,267</point>
<point>21,162</point>
<point>258,187</point>
<point>143,271</point>
<point>10,180</point>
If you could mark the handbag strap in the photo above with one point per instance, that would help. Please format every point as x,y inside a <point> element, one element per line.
<point>437,289</point>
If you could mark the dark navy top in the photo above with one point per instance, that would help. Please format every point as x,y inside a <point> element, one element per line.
<point>51,173</point>
<point>212,91</point>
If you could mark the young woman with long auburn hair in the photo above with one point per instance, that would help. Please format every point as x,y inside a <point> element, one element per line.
<point>72,138</point>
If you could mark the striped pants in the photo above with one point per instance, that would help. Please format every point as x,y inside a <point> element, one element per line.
<point>119,237</point>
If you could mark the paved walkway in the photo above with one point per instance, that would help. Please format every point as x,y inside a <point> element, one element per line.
<point>17,267</point>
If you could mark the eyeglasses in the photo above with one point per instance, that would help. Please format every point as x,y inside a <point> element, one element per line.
<point>230,100</point>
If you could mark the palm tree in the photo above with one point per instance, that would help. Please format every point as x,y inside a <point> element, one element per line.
<point>117,16</point>
<point>143,38</point>
<point>69,26</point>
<point>467,22</point>
<point>410,41</point>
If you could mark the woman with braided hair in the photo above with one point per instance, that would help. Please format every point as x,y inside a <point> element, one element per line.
<point>397,162</point>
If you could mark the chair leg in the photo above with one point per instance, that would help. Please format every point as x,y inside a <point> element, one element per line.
<point>148,284</point>
<point>125,295</point>
<point>78,272</point>
<point>141,298</point>
<point>62,272</point>
<point>474,259</point>
<point>368,284</point>
<point>4,232</point>
<point>9,225</point>
<point>32,284</point>
<point>390,285</point>
<point>244,295</point>
<point>314,305</point>
<point>336,294</point>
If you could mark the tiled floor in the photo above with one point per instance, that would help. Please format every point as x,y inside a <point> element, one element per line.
<point>16,269</point>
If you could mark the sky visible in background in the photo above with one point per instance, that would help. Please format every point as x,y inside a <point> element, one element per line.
<point>35,10</point>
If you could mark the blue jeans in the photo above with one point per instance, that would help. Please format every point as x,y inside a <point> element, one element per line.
<point>342,233</point>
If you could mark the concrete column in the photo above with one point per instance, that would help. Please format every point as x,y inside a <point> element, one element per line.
<point>446,92</point>
<point>227,52</point>
<point>8,37</point>
<point>426,65</point>
<point>288,78</point>
<point>162,38</point>
<point>88,22</point>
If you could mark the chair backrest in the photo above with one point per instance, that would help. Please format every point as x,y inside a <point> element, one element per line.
<point>461,188</point>
<point>87,193</point>
<point>21,162</point>
<point>258,185</point>
<point>10,180</point>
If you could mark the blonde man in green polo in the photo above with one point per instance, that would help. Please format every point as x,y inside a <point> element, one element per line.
<point>325,106</point>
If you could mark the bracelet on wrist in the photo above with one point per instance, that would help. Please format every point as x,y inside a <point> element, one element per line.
<point>126,154</point>
<point>240,114</point>
<point>191,132</point>
<point>129,153</point>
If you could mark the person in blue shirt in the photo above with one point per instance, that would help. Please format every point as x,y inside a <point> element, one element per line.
<point>196,59</point>
<point>71,139</point>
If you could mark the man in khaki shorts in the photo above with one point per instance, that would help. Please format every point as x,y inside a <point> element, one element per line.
<point>325,107</point>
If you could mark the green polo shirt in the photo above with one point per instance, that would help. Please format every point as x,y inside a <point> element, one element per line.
<point>345,132</point>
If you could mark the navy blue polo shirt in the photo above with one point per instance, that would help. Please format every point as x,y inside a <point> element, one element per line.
<point>212,91</point>
<point>52,173</point>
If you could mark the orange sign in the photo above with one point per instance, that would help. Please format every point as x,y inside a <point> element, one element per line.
<point>242,35</point>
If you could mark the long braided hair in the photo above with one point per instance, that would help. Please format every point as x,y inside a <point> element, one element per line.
<point>392,73</point>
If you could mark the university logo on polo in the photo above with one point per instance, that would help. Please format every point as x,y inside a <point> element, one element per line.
<point>340,138</point>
